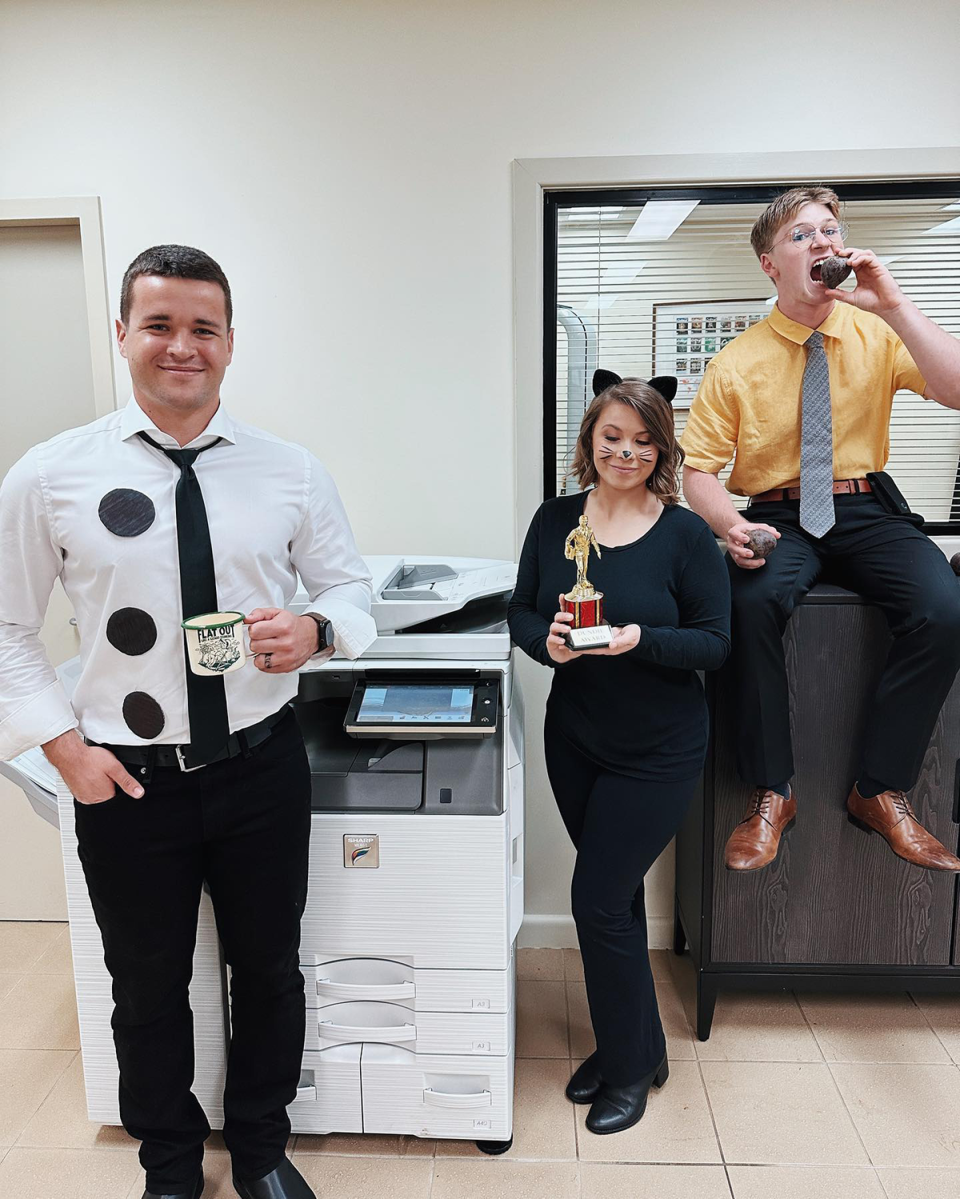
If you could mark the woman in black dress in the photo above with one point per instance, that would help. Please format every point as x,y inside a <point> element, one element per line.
<point>626,726</point>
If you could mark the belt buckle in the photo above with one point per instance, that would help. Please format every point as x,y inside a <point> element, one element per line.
<point>183,766</point>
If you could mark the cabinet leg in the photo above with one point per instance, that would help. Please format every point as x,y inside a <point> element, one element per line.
<point>679,936</point>
<point>706,1005</point>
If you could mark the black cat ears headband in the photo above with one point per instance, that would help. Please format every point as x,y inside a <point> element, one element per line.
<point>665,384</point>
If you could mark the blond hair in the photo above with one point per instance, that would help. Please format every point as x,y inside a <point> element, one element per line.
<point>786,206</point>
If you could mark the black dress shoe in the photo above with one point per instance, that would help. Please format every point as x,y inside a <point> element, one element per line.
<point>617,1108</point>
<point>586,1082</point>
<point>285,1182</point>
<point>195,1193</point>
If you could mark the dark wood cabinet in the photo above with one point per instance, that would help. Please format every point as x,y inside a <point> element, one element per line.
<point>837,910</point>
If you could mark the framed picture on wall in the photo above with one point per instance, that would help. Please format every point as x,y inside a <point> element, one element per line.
<point>687,334</point>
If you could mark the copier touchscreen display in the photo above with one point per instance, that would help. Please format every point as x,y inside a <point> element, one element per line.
<point>415,703</point>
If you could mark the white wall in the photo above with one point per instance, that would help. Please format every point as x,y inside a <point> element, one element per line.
<point>348,164</point>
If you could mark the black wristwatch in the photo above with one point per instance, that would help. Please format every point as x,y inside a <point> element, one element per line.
<point>324,631</point>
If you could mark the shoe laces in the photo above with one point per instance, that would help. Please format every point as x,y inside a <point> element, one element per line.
<point>761,805</point>
<point>902,805</point>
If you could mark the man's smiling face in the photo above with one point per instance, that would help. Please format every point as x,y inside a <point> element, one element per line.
<point>176,341</point>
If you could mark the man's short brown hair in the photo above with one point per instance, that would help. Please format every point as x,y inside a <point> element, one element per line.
<point>786,206</point>
<point>177,262</point>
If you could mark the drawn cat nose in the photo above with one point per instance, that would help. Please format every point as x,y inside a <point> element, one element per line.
<point>627,453</point>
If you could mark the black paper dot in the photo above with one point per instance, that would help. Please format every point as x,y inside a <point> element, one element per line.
<point>131,631</point>
<point>143,715</point>
<point>127,513</point>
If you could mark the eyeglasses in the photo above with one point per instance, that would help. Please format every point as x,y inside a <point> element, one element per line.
<point>803,233</point>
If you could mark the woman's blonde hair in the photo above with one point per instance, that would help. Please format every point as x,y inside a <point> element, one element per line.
<point>657,415</point>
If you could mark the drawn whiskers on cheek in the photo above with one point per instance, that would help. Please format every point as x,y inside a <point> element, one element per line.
<point>605,451</point>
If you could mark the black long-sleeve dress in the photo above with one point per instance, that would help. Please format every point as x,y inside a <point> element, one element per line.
<point>641,713</point>
<point>625,741</point>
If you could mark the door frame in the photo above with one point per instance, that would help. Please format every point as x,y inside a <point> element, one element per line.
<point>85,212</point>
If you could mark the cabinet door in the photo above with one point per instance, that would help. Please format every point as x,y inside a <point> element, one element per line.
<point>835,896</point>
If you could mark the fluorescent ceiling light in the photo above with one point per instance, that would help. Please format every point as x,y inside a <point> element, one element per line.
<point>659,218</point>
<point>623,274</point>
<point>584,215</point>
<point>947,226</point>
<point>613,276</point>
<point>595,302</point>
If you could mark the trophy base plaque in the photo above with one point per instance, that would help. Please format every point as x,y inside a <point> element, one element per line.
<point>588,630</point>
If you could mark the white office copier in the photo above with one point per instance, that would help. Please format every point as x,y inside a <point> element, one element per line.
<point>416,875</point>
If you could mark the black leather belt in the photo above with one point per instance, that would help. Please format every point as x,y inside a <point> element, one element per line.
<point>240,742</point>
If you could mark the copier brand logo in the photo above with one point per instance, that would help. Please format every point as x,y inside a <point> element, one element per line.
<point>362,852</point>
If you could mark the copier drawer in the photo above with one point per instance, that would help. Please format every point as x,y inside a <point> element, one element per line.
<point>364,978</point>
<point>422,1032</point>
<point>328,1098</point>
<point>427,1095</point>
<point>438,897</point>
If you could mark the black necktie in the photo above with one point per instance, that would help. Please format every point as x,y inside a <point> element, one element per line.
<point>206,694</point>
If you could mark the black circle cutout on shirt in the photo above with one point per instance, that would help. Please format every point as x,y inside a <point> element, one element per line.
<point>126,512</point>
<point>131,631</point>
<point>143,715</point>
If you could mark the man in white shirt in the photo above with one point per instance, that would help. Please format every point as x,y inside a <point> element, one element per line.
<point>164,505</point>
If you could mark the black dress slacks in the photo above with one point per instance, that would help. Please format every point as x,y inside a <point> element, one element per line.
<point>888,560</point>
<point>620,826</point>
<point>243,825</point>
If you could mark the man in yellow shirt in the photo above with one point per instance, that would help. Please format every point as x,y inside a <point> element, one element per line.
<point>802,400</point>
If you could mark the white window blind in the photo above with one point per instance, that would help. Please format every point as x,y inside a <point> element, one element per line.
<point>613,273</point>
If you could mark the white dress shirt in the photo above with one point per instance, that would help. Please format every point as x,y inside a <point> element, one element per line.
<point>273,511</point>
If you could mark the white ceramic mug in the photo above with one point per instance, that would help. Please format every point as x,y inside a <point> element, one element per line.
<point>215,642</point>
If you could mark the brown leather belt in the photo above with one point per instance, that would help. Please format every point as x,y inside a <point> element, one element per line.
<point>840,487</point>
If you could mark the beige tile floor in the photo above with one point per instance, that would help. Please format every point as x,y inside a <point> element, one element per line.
<point>809,1097</point>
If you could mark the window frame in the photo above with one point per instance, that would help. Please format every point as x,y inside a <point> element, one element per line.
<point>747,193</point>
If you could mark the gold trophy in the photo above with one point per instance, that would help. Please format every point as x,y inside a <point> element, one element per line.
<point>588,630</point>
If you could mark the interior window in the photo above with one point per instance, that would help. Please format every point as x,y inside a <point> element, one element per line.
<point>657,282</point>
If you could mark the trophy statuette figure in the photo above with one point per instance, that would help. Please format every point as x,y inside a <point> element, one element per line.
<point>588,630</point>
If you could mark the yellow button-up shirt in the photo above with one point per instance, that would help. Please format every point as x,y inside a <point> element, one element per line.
<point>749,403</point>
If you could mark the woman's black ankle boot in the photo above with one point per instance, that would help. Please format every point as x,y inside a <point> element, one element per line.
<point>617,1108</point>
<point>584,1086</point>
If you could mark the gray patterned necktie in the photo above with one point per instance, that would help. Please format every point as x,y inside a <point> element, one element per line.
<point>816,443</point>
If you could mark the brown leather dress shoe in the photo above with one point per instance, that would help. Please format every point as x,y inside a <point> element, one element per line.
<point>891,815</point>
<point>756,839</point>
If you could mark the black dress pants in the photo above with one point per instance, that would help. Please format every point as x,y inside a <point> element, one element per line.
<point>620,826</point>
<point>243,825</point>
<point>889,561</point>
